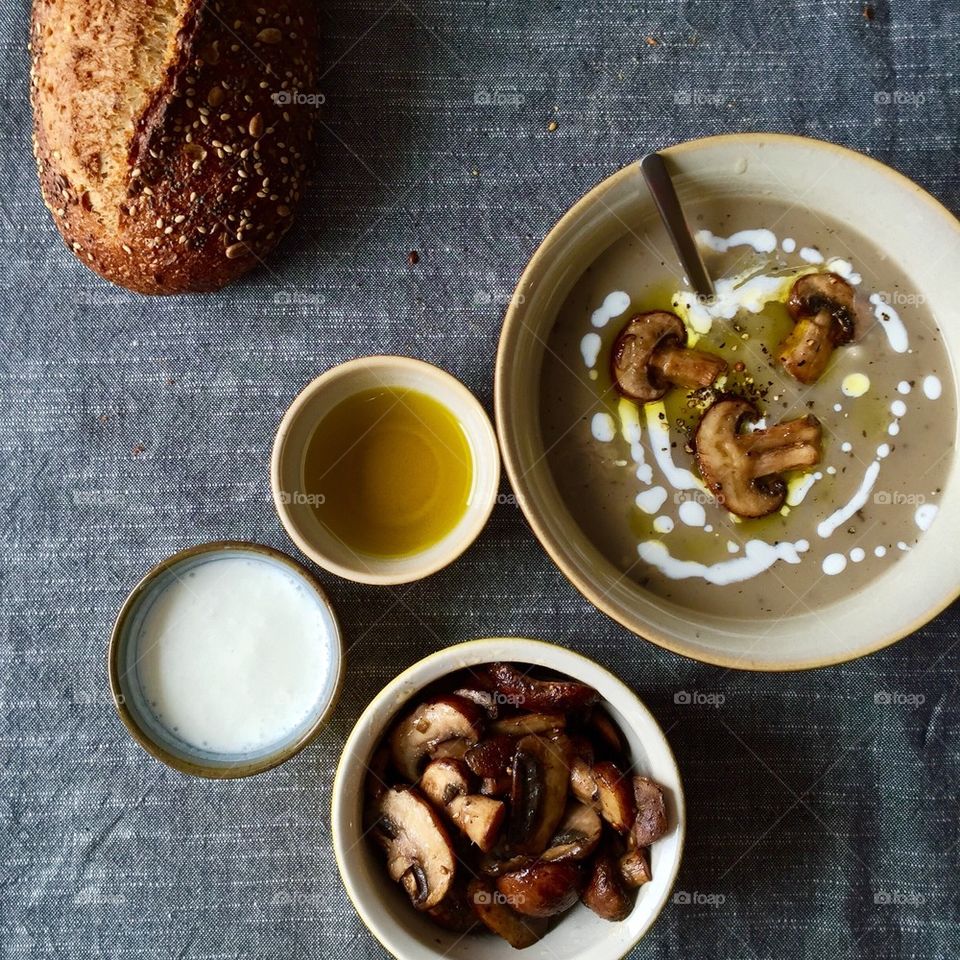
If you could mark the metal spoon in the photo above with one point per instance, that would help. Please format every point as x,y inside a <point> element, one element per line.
<point>668,205</point>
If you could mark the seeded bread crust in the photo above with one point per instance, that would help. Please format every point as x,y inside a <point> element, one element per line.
<point>172,137</point>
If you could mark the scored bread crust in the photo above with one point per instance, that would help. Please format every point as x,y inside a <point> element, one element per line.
<point>173,137</point>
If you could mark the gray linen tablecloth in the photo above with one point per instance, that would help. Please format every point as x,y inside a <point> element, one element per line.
<point>823,821</point>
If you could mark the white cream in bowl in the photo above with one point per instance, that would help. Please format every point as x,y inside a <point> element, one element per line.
<point>233,655</point>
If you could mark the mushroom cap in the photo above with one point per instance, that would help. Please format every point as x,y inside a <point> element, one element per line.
<point>815,292</point>
<point>542,889</point>
<point>744,472</point>
<point>518,930</point>
<point>633,350</point>
<point>539,696</point>
<point>605,892</point>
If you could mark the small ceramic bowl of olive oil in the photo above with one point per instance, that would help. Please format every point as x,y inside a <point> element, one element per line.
<point>385,469</point>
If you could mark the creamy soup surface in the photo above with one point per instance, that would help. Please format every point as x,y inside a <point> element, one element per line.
<point>627,471</point>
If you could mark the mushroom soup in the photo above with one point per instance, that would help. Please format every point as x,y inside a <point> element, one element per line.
<point>787,439</point>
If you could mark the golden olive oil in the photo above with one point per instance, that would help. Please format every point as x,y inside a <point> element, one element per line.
<point>389,471</point>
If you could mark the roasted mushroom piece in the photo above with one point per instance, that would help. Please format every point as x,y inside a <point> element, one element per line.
<point>519,931</point>
<point>650,823</point>
<point>823,305</point>
<point>492,760</point>
<point>635,866</point>
<point>577,836</point>
<point>651,354</point>
<point>606,789</point>
<point>538,798</point>
<point>429,725</point>
<point>542,889</point>
<point>539,696</point>
<point>583,784</point>
<point>744,470</point>
<point>420,855</point>
<point>606,892</point>
<point>445,780</point>
<point>479,817</point>
<point>447,784</point>
<point>614,795</point>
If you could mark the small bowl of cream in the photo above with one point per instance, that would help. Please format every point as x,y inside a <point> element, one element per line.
<point>226,660</point>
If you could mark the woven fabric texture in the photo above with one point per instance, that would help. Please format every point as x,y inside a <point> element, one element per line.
<point>823,816</point>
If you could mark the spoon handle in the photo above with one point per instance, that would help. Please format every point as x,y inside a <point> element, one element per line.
<point>668,204</point>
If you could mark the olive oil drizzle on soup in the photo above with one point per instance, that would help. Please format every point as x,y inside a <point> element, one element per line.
<point>626,471</point>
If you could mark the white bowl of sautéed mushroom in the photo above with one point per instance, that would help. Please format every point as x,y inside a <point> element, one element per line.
<point>427,884</point>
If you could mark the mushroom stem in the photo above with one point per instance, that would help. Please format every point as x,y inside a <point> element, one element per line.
<point>806,352</point>
<point>786,446</point>
<point>803,430</point>
<point>686,368</point>
<point>781,460</point>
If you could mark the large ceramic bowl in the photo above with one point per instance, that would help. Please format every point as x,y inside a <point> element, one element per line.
<point>906,225</point>
<point>578,935</point>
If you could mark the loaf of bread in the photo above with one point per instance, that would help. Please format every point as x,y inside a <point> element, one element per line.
<point>172,137</point>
